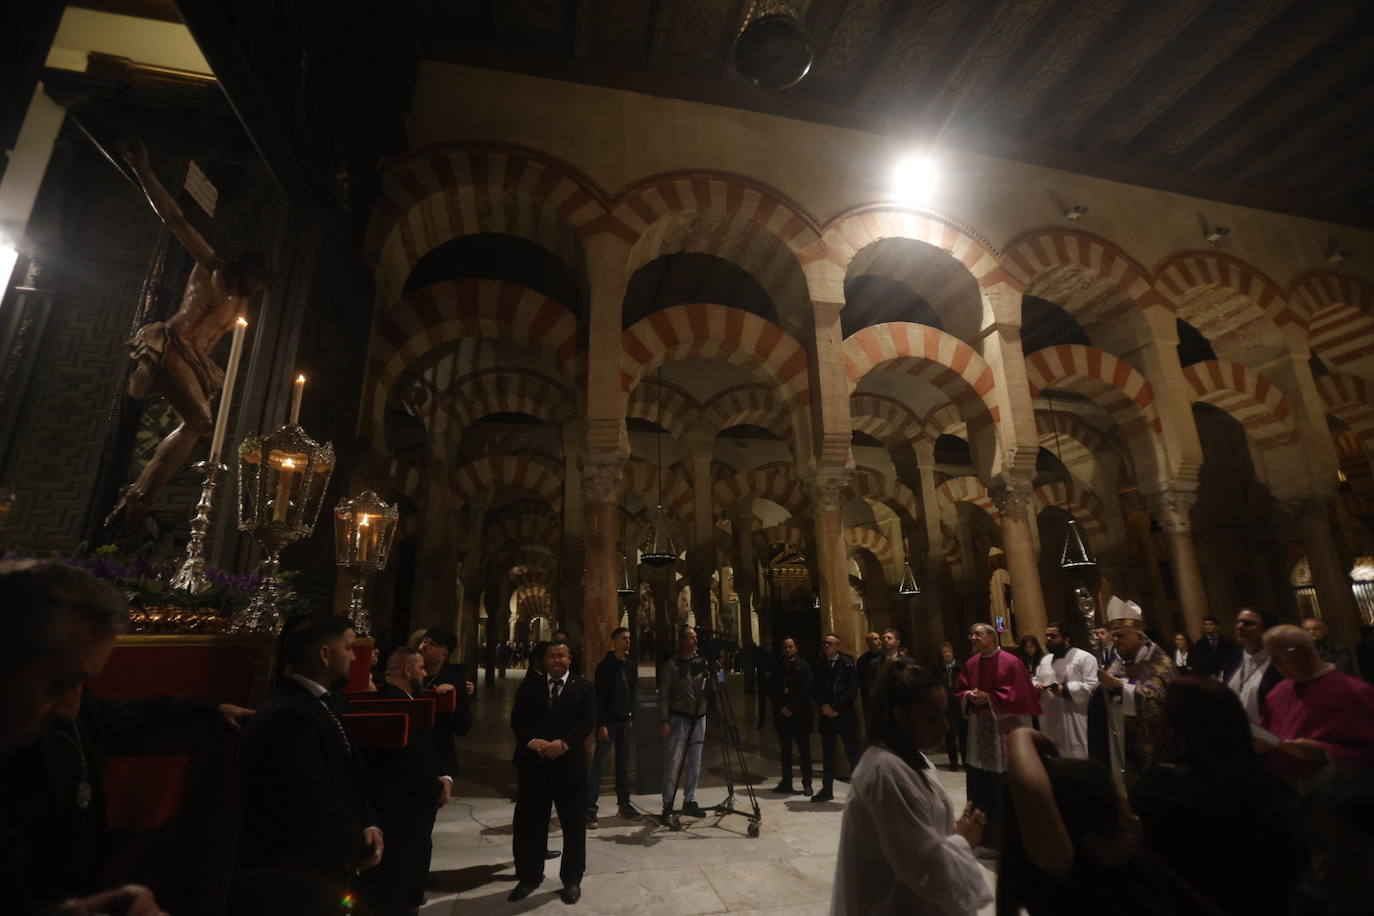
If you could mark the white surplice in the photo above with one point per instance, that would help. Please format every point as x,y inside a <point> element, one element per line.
<point>898,849</point>
<point>1065,717</point>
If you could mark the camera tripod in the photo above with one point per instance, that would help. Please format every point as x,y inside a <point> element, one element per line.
<point>719,709</point>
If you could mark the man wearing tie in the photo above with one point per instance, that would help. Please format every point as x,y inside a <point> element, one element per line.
<point>554,713</point>
<point>1213,652</point>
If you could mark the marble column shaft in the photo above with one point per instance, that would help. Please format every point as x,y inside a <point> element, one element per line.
<point>1014,504</point>
<point>602,480</point>
<point>1172,509</point>
<point>827,503</point>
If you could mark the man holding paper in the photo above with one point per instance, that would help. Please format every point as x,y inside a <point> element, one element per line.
<point>1065,679</point>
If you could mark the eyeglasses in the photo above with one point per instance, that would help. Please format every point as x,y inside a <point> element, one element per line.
<point>831,643</point>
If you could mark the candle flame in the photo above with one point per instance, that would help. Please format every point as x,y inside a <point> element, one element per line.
<point>363,521</point>
<point>288,463</point>
<point>300,380</point>
<point>242,322</point>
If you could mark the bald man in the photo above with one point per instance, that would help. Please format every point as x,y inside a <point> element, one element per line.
<point>1320,715</point>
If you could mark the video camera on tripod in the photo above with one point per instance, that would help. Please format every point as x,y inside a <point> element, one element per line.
<point>714,645</point>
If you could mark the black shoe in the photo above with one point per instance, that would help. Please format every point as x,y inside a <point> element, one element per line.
<point>666,818</point>
<point>784,788</point>
<point>806,790</point>
<point>571,894</point>
<point>552,853</point>
<point>521,891</point>
<point>628,812</point>
<point>824,795</point>
<point>692,809</point>
<point>591,820</point>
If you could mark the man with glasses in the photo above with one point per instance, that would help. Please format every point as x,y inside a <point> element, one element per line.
<point>836,687</point>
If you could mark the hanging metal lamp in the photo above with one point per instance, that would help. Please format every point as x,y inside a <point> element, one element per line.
<point>1075,553</point>
<point>659,550</point>
<point>625,586</point>
<point>908,586</point>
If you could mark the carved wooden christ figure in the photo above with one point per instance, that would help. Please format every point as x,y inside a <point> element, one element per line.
<point>172,357</point>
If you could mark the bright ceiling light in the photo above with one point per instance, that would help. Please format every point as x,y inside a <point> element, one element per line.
<point>914,179</point>
<point>9,255</point>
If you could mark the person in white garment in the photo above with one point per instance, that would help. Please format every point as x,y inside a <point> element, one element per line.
<point>901,848</point>
<point>1249,673</point>
<point>1065,679</point>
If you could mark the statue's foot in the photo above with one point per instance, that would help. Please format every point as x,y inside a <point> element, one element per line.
<point>132,507</point>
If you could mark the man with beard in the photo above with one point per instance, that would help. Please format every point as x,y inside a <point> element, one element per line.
<point>305,816</point>
<point>792,716</point>
<point>1066,679</point>
<point>407,786</point>
<point>995,694</point>
<point>1127,710</point>
<point>867,665</point>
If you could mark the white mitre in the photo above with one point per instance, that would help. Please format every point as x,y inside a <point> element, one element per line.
<point>1122,614</point>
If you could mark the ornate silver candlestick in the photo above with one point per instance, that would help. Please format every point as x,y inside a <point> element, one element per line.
<point>191,575</point>
<point>363,529</point>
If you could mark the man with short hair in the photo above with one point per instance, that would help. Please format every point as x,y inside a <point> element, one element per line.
<point>301,779</point>
<point>682,716</point>
<point>995,694</point>
<point>1330,650</point>
<point>407,786</point>
<point>1249,673</point>
<point>1213,652</point>
<point>792,716</point>
<point>1320,715</point>
<point>615,680</point>
<point>1127,714</point>
<point>956,736</point>
<point>553,715</point>
<point>868,664</point>
<point>1105,653</point>
<point>436,647</point>
<point>1066,679</point>
<point>836,687</point>
<point>563,637</point>
<point>892,644</point>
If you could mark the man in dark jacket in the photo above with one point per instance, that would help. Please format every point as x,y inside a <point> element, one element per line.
<point>792,716</point>
<point>836,687</point>
<point>436,648</point>
<point>615,678</point>
<point>956,739</point>
<point>407,786</point>
<point>554,713</point>
<point>868,664</point>
<point>301,778</point>
<point>1213,652</point>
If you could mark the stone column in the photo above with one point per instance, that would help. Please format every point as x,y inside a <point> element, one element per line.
<point>701,554</point>
<point>827,504</point>
<point>1172,509</point>
<point>1312,517</point>
<point>602,481</point>
<point>1014,501</point>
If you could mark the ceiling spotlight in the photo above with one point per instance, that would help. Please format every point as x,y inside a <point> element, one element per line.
<point>914,179</point>
<point>1216,236</point>
<point>1075,213</point>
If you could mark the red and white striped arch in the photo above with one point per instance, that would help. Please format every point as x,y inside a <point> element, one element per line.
<point>1081,445</point>
<point>950,550</point>
<point>1350,399</point>
<point>1251,398</point>
<point>827,260</point>
<point>1231,303</point>
<point>449,191</point>
<point>748,405</point>
<point>663,403</point>
<point>1338,309</point>
<point>513,471</point>
<point>860,538</point>
<point>717,332</point>
<point>507,391</point>
<point>1111,383</point>
<point>878,487</point>
<point>445,313</point>
<point>966,489</point>
<point>790,535</point>
<point>930,355</point>
<point>886,419</point>
<point>642,477</point>
<point>773,482</point>
<point>528,527</point>
<point>1087,276</point>
<point>1081,503</point>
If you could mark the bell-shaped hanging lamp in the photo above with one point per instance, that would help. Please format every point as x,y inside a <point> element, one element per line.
<point>1075,554</point>
<point>659,550</point>
<point>625,582</point>
<point>908,586</point>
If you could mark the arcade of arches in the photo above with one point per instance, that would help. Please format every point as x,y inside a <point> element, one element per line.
<point>820,385</point>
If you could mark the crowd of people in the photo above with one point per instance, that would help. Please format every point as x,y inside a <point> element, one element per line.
<point>1223,775</point>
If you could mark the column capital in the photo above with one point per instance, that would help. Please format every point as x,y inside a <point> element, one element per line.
<point>1013,499</point>
<point>1173,509</point>
<point>826,490</point>
<point>603,477</point>
<point>1306,510</point>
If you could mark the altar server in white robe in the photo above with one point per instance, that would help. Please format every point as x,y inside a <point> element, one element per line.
<point>1065,678</point>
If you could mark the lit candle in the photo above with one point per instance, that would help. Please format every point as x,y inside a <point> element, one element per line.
<point>226,397</point>
<point>362,541</point>
<point>296,399</point>
<point>283,500</point>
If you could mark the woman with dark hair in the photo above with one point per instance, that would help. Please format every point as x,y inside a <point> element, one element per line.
<point>1031,653</point>
<point>1213,773</point>
<point>901,849</point>
<point>1071,843</point>
<point>1183,647</point>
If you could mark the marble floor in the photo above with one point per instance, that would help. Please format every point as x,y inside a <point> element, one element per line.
<point>711,866</point>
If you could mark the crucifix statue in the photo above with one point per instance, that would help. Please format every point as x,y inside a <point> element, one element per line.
<point>172,357</point>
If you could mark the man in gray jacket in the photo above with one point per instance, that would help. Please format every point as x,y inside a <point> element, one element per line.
<point>682,710</point>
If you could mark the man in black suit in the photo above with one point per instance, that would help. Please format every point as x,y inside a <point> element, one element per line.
<point>792,716</point>
<point>1213,652</point>
<point>867,665</point>
<point>436,647</point>
<point>407,786</point>
<point>554,713</point>
<point>956,739</point>
<point>836,687</point>
<point>301,779</point>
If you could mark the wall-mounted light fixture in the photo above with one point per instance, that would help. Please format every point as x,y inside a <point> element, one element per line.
<point>1217,235</point>
<point>1075,213</point>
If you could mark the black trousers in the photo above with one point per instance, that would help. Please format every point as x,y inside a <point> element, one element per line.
<point>788,735</point>
<point>956,739</point>
<point>845,728</point>
<point>397,885</point>
<point>537,796</point>
<point>985,792</point>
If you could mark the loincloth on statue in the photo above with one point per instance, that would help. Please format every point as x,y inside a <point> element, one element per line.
<point>148,348</point>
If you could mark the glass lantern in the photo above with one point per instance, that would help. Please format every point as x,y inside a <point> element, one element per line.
<point>363,530</point>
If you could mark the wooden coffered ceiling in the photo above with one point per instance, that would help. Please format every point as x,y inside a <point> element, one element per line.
<point>1265,103</point>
